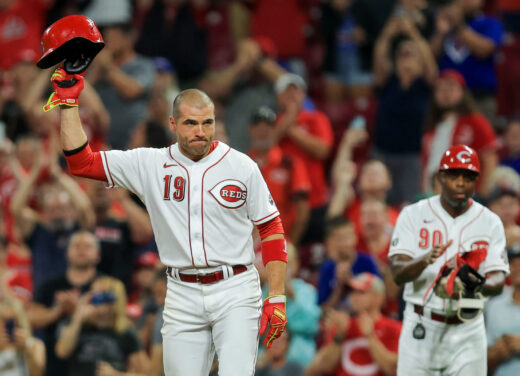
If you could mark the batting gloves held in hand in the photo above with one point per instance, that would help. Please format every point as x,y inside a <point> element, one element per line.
<point>67,88</point>
<point>273,313</point>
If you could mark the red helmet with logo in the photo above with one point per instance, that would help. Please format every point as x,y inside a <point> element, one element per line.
<point>460,157</point>
<point>75,39</point>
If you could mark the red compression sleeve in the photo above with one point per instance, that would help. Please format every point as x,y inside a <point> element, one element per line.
<point>274,250</point>
<point>274,226</point>
<point>86,163</point>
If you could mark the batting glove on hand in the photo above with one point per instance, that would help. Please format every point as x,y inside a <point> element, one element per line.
<point>273,313</point>
<point>67,88</point>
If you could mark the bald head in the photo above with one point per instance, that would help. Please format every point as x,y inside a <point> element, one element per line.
<point>192,97</point>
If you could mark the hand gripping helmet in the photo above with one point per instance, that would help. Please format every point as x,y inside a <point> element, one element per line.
<point>460,157</point>
<point>75,39</point>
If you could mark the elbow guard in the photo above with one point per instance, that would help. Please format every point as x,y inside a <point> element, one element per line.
<point>85,163</point>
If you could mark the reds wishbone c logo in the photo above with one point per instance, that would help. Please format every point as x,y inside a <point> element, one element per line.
<point>464,156</point>
<point>231,194</point>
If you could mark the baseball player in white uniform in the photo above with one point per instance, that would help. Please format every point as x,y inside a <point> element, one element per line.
<point>432,242</point>
<point>203,198</point>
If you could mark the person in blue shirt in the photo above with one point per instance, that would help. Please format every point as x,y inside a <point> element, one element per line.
<point>344,262</point>
<point>467,40</point>
<point>502,316</point>
<point>512,145</point>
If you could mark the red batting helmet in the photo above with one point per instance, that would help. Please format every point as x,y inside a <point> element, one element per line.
<point>460,157</point>
<point>75,39</point>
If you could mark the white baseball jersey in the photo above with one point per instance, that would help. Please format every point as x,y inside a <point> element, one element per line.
<point>202,212</point>
<point>425,224</point>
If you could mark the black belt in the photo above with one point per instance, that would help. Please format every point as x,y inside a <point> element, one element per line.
<point>452,320</point>
<point>208,278</point>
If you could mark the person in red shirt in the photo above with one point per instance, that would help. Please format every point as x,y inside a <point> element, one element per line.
<point>362,345</point>
<point>305,134</point>
<point>285,175</point>
<point>375,237</point>
<point>453,119</point>
<point>21,25</point>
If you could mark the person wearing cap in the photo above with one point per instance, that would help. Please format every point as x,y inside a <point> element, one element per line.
<point>468,40</point>
<point>453,119</point>
<point>364,344</point>
<point>503,322</point>
<point>306,134</point>
<point>504,202</point>
<point>285,175</point>
<point>434,241</point>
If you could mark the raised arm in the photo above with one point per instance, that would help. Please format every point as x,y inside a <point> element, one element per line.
<point>382,62</point>
<point>26,218</point>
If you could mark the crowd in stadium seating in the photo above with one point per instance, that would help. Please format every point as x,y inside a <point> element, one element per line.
<point>345,105</point>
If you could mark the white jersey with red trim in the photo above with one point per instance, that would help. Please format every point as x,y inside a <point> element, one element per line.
<point>425,224</point>
<point>202,212</point>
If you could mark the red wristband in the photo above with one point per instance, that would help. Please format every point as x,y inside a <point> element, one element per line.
<point>274,250</point>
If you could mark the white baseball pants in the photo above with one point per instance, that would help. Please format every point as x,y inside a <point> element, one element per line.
<point>446,350</point>
<point>201,319</point>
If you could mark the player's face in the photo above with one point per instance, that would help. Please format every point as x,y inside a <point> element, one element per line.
<point>195,129</point>
<point>457,187</point>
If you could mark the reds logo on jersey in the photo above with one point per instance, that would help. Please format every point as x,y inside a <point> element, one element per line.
<point>231,194</point>
<point>480,245</point>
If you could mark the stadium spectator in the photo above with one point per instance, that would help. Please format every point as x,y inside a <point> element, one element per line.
<point>56,300</point>
<point>342,61</point>
<point>123,80</point>
<point>505,203</point>
<point>511,137</point>
<point>344,262</point>
<point>307,135</point>
<point>467,40</point>
<point>171,29</point>
<point>502,316</point>
<point>403,78</point>
<point>285,175</point>
<point>374,183</point>
<point>374,240</point>
<point>453,119</point>
<point>153,132</point>
<point>21,25</point>
<point>274,361</point>
<point>20,352</point>
<point>98,339</point>
<point>118,235</point>
<point>154,323</point>
<point>242,87</point>
<point>365,344</point>
<point>64,209</point>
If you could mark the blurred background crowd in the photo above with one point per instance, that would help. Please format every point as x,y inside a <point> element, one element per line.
<point>346,106</point>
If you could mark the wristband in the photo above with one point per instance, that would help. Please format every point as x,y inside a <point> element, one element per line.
<point>276,299</point>
<point>274,250</point>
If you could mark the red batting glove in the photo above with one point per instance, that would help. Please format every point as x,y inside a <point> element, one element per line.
<point>64,96</point>
<point>273,313</point>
